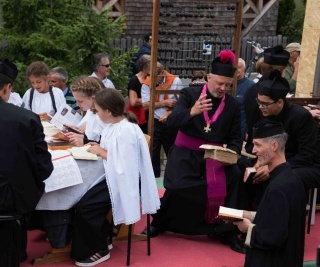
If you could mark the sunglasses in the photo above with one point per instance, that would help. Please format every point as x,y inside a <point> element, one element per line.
<point>106,65</point>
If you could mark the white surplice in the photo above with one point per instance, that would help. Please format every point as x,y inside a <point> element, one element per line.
<point>128,161</point>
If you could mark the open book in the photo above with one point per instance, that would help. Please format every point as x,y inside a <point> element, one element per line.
<point>82,153</point>
<point>61,136</point>
<point>248,174</point>
<point>65,117</point>
<point>230,214</point>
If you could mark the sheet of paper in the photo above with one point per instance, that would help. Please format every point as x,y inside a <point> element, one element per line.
<point>65,173</point>
<point>65,115</point>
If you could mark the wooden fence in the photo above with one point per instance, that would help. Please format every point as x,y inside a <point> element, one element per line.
<point>183,56</point>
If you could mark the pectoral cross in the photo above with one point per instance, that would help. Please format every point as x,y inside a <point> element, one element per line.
<point>207,128</point>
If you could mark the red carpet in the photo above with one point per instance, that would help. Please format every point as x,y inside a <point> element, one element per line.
<point>170,250</point>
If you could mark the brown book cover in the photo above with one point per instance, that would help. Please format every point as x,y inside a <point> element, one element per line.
<point>61,136</point>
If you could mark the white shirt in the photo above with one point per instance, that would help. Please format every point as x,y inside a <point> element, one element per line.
<point>94,126</point>
<point>107,83</point>
<point>128,162</point>
<point>42,103</point>
<point>145,96</point>
<point>15,99</point>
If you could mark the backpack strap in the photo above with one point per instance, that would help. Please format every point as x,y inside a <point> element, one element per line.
<point>31,98</point>
<point>52,99</point>
<point>51,95</point>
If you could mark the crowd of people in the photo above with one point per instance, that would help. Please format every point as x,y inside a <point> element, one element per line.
<point>281,137</point>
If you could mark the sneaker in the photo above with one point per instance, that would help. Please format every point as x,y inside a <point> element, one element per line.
<point>95,259</point>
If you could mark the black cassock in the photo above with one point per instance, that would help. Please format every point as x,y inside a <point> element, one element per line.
<point>24,163</point>
<point>24,159</point>
<point>277,239</point>
<point>184,202</point>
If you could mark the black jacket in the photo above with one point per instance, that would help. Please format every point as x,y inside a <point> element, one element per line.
<point>24,159</point>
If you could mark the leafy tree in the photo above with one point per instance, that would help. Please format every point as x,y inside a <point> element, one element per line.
<point>64,33</point>
<point>293,28</point>
<point>291,19</point>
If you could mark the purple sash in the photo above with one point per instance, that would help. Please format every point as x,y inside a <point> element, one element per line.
<point>216,178</point>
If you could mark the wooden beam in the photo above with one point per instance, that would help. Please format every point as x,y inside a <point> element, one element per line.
<point>237,40</point>
<point>257,19</point>
<point>109,4</point>
<point>153,68</point>
<point>115,14</point>
<point>253,6</point>
<point>117,7</point>
<point>260,5</point>
<point>245,8</point>
<point>249,16</point>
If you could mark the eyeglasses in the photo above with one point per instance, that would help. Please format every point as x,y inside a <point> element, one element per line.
<point>106,65</point>
<point>263,104</point>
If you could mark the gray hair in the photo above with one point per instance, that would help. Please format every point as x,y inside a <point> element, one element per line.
<point>240,60</point>
<point>97,60</point>
<point>281,139</point>
<point>144,62</point>
<point>62,73</point>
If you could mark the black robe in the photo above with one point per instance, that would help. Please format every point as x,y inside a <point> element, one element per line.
<point>24,159</point>
<point>277,239</point>
<point>302,147</point>
<point>24,163</point>
<point>184,202</point>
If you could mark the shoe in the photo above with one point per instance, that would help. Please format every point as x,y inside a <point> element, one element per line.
<point>237,245</point>
<point>152,233</point>
<point>95,259</point>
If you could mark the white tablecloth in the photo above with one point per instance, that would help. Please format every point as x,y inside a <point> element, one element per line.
<point>92,173</point>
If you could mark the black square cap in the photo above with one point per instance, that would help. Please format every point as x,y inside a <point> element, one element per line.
<point>223,65</point>
<point>276,56</point>
<point>276,87</point>
<point>266,128</point>
<point>8,68</point>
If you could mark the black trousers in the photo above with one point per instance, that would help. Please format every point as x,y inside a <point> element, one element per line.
<point>162,136</point>
<point>91,227</point>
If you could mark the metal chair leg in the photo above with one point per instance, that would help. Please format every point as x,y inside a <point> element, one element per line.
<point>311,196</point>
<point>129,244</point>
<point>148,235</point>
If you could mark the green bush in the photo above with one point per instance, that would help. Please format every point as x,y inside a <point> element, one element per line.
<point>64,33</point>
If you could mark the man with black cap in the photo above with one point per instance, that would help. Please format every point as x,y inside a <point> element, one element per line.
<point>302,147</point>
<point>275,233</point>
<point>278,59</point>
<point>203,115</point>
<point>24,160</point>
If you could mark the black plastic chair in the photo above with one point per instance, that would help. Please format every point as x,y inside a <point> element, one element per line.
<point>14,240</point>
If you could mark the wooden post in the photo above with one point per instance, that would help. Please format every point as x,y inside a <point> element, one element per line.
<point>153,68</point>
<point>236,40</point>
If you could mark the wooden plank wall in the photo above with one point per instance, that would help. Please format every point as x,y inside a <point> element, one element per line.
<point>188,52</point>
